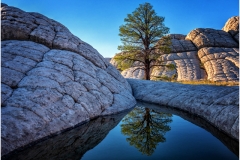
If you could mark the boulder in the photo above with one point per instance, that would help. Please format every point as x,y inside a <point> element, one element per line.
<point>51,80</point>
<point>187,67</point>
<point>232,27</point>
<point>207,37</point>
<point>221,64</point>
<point>179,45</point>
<point>183,56</point>
<point>218,51</point>
<point>218,105</point>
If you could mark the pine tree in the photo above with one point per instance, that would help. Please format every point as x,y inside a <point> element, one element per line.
<point>143,39</point>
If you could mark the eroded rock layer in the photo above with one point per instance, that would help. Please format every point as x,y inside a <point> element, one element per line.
<point>221,64</point>
<point>51,80</point>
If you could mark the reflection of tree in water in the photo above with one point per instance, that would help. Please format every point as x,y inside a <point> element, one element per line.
<point>145,128</point>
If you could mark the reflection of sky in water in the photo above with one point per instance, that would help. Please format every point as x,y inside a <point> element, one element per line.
<point>184,141</point>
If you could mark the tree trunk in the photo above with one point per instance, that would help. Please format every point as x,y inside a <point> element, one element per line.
<point>147,72</point>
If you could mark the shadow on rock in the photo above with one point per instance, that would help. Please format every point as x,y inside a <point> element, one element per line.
<point>72,144</point>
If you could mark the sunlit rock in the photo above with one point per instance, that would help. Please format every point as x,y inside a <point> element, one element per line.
<point>232,27</point>
<point>51,80</point>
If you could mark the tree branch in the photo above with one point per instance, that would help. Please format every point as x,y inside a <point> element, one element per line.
<point>155,65</point>
<point>137,69</point>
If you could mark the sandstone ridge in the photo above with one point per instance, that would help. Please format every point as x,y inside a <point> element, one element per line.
<point>51,80</point>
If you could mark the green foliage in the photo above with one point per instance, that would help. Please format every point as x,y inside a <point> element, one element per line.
<point>140,37</point>
<point>163,45</point>
<point>171,66</point>
<point>162,78</point>
<point>165,78</point>
<point>145,128</point>
<point>122,63</point>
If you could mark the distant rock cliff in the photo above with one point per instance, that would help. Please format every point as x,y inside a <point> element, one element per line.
<point>203,54</point>
<point>51,80</point>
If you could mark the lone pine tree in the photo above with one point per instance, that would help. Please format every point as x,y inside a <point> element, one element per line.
<point>143,39</point>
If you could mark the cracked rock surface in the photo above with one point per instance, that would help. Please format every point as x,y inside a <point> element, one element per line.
<point>221,64</point>
<point>207,37</point>
<point>218,51</point>
<point>51,80</point>
<point>217,105</point>
<point>184,57</point>
<point>232,27</point>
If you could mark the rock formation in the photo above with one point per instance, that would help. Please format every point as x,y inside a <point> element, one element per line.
<point>232,27</point>
<point>215,104</point>
<point>203,54</point>
<point>72,144</point>
<point>184,56</point>
<point>51,80</point>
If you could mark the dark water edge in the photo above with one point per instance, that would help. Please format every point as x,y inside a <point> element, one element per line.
<point>70,144</point>
<point>74,143</point>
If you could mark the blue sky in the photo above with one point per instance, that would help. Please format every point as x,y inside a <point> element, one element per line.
<point>97,21</point>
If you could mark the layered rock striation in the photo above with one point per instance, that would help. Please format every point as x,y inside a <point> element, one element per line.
<point>51,80</point>
<point>203,54</point>
<point>218,52</point>
<point>215,104</point>
<point>183,56</point>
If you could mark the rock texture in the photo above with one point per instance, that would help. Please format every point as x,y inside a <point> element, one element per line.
<point>217,105</point>
<point>218,52</point>
<point>204,53</point>
<point>232,27</point>
<point>133,72</point>
<point>184,57</point>
<point>51,80</point>
<point>72,144</point>
<point>221,64</point>
<point>207,37</point>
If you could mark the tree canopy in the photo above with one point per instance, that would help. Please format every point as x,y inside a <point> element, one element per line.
<point>143,39</point>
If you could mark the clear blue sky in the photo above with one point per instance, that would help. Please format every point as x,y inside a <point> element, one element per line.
<point>97,21</point>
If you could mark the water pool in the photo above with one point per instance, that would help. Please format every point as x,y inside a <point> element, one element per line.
<point>146,132</point>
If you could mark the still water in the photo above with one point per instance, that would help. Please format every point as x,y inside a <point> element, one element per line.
<point>146,132</point>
